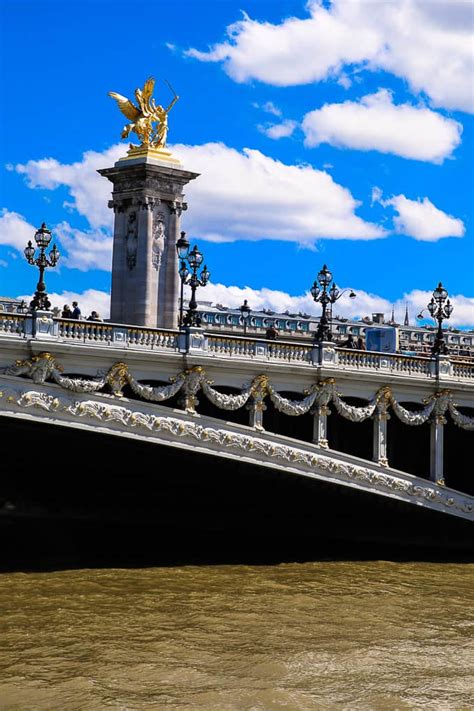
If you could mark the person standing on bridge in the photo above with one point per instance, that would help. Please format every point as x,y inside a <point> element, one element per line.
<point>271,333</point>
<point>76,311</point>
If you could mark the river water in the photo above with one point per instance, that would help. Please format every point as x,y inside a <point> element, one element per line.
<point>324,635</point>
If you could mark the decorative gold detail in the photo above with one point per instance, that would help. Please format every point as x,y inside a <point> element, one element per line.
<point>38,368</point>
<point>143,116</point>
<point>193,380</point>
<point>117,377</point>
<point>260,386</point>
<point>313,462</point>
<point>385,393</point>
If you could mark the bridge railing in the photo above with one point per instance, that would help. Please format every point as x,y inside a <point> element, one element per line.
<point>462,369</point>
<point>12,324</point>
<point>370,360</point>
<point>42,325</point>
<point>107,333</point>
<point>237,346</point>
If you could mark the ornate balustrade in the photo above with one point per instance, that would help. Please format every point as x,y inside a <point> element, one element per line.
<point>210,344</point>
<point>462,369</point>
<point>97,332</point>
<point>230,346</point>
<point>12,323</point>
<point>255,348</point>
<point>107,333</point>
<point>369,360</point>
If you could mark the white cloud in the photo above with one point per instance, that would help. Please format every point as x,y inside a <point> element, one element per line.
<point>420,218</point>
<point>3,263</point>
<point>269,107</point>
<point>376,123</point>
<point>15,231</point>
<point>248,195</point>
<point>279,130</point>
<point>427,43</point>
<point>239,195</point>
<point>295,52</point>
<point>89,190</point>
<point>85,250</point>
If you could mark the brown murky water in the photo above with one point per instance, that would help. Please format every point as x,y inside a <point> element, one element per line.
<point>331,635</point>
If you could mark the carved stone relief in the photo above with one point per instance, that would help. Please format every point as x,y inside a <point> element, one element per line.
<point>158,239</point>
<point>44,366</point>
<point>131,239</point>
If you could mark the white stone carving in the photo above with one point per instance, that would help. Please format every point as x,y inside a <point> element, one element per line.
<point>413,418</point>
<point>467,423</point>
<point>293,407</point>
<point>352,412</point>
<point>78,385</point>
<point>226,402</point>
<point>156,394</point>
<point>158,244</point>
<point>44,366</point>
<point>131,240</point>
<point>222,438</point>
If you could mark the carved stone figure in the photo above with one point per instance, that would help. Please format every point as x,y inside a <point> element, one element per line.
<point>158,239</point>
<point>131,238</point>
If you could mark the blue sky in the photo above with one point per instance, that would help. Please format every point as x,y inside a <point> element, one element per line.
<point>337,132</point>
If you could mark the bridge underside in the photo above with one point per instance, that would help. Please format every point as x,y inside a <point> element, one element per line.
<point>75,497</point>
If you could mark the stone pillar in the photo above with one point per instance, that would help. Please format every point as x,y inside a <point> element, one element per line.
<point>437,449</point>
<point>146,277</point>
<point>380,438</point>
<point>257,406</point>
<point>118,262</point>
<point>170,284</point>
<point>148,201</point>
<point>256,409</point>
<point>320,426</point>
<point>380,419</point>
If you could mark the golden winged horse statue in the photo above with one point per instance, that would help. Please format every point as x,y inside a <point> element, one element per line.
<point>143,116</point>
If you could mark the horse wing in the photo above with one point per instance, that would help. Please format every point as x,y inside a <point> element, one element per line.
<point>126,106</point>
<point>148,89</point>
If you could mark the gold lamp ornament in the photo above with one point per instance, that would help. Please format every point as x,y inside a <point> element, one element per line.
<point>147,120</point>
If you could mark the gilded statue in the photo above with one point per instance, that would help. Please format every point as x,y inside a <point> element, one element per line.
<point>145,115</point>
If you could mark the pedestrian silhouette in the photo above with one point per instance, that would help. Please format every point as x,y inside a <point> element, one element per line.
<point>271,333</point>
<point>76,311</point>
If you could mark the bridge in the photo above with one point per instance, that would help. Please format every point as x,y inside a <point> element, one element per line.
<point>358,427</point>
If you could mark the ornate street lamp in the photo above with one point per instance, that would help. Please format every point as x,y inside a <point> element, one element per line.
<point>182,248</point>
<point>440,309</point>
<point>245,310</point>
<point>42,261</point>
<point>321,292</point>
<point>193,259</point>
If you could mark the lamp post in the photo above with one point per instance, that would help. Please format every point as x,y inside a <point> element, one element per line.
<point>440,309</point>
<point>321,292</point>
<point>245,310</point>
<point>42,261</point>
<point>182,248</point>
<point>191,277</point>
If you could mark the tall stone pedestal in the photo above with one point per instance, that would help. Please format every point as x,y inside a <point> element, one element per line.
<point>147,200</point>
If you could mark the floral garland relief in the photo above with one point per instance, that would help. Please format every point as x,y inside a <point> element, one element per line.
<point>44,366</point>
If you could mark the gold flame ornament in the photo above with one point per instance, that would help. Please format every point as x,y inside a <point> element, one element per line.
<point>143,116</point>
